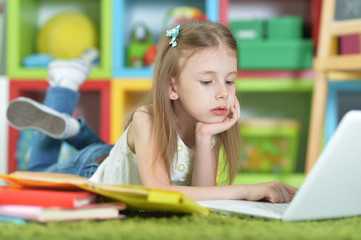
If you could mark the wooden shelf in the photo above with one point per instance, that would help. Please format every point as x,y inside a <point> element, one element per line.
<point>125,95</point>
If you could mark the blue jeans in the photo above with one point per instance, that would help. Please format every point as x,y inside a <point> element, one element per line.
<point>45,151</point>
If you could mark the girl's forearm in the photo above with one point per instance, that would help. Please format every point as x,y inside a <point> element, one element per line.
<point>275,192</point>
<point>211,193</point>
<point>205,166</point>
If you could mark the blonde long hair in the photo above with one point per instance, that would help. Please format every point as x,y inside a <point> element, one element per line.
<point>193,37</point>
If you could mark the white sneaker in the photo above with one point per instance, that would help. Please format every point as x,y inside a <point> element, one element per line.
<point>68,73</point>
<point>25,113</point>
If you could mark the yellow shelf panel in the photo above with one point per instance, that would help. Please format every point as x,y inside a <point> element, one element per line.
<point>125,95</point>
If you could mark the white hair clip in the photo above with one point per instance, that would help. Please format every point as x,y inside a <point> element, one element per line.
<point>173,33</point>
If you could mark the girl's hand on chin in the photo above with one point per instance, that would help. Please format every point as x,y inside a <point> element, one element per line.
<point>210,129</point>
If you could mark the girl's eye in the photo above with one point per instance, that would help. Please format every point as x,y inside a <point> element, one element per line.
<point>206,82</point>
<point>230,82</point>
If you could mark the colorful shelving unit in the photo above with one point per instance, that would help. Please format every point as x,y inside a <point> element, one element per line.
<point>119,87</point>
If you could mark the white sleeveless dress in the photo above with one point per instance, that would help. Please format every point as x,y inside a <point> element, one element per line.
<point>121,167</point>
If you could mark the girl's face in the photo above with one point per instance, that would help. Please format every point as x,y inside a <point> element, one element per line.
<point>205,90</point>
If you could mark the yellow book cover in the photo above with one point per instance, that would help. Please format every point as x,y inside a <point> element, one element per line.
<point>136,197</point>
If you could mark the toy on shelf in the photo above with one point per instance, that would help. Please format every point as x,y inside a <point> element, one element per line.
<point>141,42</point>
<point>183,14</point>
<point>67,35</point>
<point>149,56</point>
<point>141,50</point>
<point>269,145</point>
<point>37,60</point>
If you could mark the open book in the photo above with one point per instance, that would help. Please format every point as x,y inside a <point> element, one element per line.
<point>135,197</point>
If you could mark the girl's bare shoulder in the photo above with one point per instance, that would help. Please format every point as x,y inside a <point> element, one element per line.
<point>143,114</point>
<point>141,126</point>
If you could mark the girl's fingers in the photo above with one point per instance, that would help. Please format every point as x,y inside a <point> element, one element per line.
<point>237,108</point>
<point>233,117</point>
<point>289,192</point>
<point>290,189</point>
<point>281,193</point>
<point>285,195</point>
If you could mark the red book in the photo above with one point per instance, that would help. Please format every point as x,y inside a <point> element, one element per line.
<point>45,198</point>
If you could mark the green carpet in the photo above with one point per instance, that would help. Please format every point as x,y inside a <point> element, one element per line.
<point>186,227</point>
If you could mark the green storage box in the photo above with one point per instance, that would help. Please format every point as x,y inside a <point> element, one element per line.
<point>266,54</point>
<point>284,28</point>
<point>247,30</point>
<point>269,145</point>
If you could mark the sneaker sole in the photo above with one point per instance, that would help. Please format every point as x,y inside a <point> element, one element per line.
<point>25,115</point>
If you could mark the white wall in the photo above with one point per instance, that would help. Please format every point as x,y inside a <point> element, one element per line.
<point>4,96</point>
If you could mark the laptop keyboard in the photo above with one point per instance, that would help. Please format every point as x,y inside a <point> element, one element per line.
<point>274,208</point>
<point>262,209</point>
<point>278,208</point>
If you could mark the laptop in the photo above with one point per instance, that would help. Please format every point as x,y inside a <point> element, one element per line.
<point>332,189</point>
